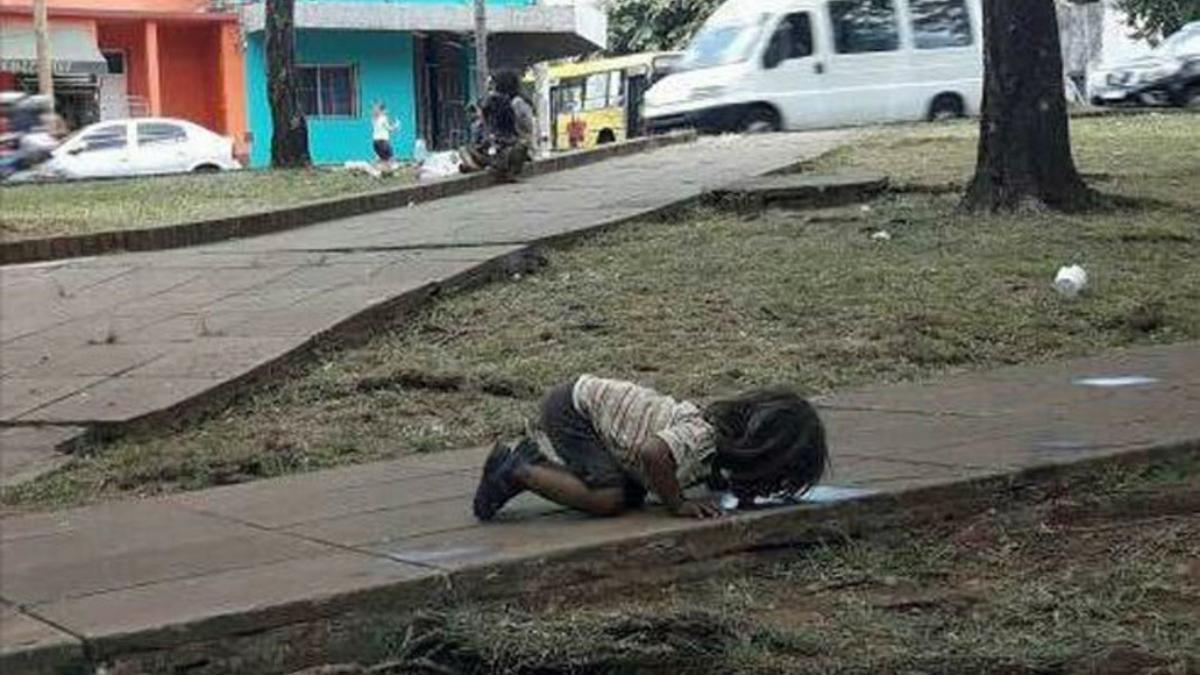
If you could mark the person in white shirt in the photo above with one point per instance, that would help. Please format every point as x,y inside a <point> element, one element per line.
<point>382,128</point>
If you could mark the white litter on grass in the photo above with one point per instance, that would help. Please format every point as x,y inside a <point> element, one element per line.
<point>1070,281</point>
<point>440,165</point>
<point>1114,382</point>
<point>882,235</point>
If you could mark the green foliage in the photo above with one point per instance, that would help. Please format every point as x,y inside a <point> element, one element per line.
<point>654,25</point>
<point>1160,17</point>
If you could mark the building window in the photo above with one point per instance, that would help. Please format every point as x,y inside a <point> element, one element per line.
<point>939,24</point>
<point>115,61</point>
<point>328,91</point>
<point>861,26</point>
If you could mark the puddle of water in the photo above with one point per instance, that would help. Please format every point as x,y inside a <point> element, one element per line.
<point>1064,446</point>
<point>1117,381</point>
<point>432,556</point>
<point>821,494</point>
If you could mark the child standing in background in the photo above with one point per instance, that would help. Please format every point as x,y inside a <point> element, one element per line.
<point>382,128</point>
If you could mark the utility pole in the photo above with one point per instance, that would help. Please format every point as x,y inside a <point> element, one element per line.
<point>45,64</point>
<point>481,48</point>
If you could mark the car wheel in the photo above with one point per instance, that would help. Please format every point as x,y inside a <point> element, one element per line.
<point>760,120</point>
<point>946,107</point>
<point>207,168</point>
<point>1191,98</point>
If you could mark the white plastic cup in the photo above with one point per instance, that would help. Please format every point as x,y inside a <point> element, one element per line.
<point>1070,281</point>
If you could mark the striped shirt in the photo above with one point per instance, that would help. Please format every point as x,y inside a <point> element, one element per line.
<point>626,416</point>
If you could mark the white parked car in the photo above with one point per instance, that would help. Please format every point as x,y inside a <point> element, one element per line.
<point>140,147</point>
<point>1148,79</point>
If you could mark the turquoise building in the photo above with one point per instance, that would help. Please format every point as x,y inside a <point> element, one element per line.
<point>414,56</point>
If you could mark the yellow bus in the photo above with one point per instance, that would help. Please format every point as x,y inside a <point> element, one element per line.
<point>600,101</point>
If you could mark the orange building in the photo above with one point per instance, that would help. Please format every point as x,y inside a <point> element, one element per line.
<point>130,58</point>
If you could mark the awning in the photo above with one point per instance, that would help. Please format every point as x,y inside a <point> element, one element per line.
<point>72,48</point>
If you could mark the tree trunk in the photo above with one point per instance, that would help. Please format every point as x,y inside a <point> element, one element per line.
<point>1024,157</point>
<point>289,136</point>
<point>45,62</point>
<point>481,49</point>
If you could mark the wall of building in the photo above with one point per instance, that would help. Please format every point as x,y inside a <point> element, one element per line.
<point>189,6</point>
<point>189,65</point>
<point>127,37</point>
<point>385,73</point>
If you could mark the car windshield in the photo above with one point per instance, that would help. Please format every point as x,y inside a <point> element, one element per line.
<point>722,44</point>
<point>1183,43</point>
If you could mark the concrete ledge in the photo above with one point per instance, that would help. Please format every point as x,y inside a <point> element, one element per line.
<point>338,626</point>
<point>797,191</point>
<point>249,225</point>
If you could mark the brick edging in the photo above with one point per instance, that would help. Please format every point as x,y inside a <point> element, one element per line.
<point>266,222</point>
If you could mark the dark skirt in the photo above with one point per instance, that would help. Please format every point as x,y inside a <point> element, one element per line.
<point>383,150</point>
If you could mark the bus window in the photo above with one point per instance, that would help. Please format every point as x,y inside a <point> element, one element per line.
<point>616,88</point>
<point>569,97</point>
<point>596,92</point>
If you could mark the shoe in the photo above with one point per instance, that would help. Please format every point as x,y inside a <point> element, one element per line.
<point>498,484</point>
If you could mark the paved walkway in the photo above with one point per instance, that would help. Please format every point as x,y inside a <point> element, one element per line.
<point>235,561</point>
<point>116,339</point>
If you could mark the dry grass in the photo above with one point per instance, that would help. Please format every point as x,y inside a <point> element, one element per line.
<point>1092,575</point>
<point>710,304</point>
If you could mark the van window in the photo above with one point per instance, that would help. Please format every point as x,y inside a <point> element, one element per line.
<point>722,44</point>
<point>938,24</point>
<point>864,26</point>
<point>795,36</point>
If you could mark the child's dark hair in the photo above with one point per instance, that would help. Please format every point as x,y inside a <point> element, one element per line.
<point>768,442</point>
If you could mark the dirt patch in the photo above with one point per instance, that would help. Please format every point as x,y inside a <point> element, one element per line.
<point>412,379</point>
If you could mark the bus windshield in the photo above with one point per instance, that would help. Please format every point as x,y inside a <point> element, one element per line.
<point>722,44</point>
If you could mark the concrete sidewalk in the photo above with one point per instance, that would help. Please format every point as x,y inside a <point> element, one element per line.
<point>105,342</point>
<point>211,577</point>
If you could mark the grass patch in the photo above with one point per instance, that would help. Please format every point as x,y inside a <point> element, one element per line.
<point>33,211</point>
<point>1097,573</point>
<point>712,303</point>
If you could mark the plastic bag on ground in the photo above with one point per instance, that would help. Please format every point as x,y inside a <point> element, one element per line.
<point>439,165</point>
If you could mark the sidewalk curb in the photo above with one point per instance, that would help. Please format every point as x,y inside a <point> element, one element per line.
<point>264,640</point>
<point>266,222</point>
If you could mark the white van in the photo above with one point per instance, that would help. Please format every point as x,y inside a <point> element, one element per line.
<point>761,65</point>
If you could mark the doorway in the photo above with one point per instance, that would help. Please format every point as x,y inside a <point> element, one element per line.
<point>114,87</point>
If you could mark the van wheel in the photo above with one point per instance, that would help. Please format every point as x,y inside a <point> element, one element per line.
<point>946,107</point>
<point>207,168</point>
<point>761,120</point>
<point>605,137</point>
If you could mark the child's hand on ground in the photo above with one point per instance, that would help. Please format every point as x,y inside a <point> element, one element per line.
<point>695,508</point>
